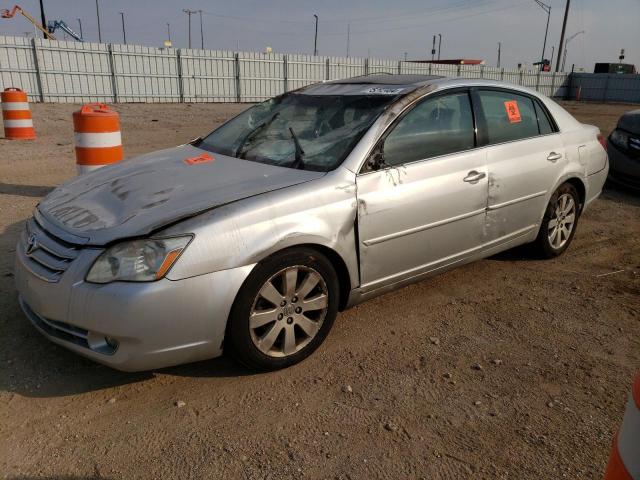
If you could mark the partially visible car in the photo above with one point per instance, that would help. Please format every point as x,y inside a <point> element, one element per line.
<point>624,150</point>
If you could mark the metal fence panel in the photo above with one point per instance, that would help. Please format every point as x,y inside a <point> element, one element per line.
<point>73,72</point>
<point>17,66</point>
<point>605,87</point>
<point>144,74</point>
<point>304,70</point>
<point>382,66</point>
<point>261,75</point>
<point>60,71</point>
<point>208,76</point>
<point>343,67</point>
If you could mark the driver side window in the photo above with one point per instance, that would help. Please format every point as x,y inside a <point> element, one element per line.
<point>437,126</point>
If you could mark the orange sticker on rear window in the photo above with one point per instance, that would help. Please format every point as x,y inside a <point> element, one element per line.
<point>513,112</point>
<point>204,158</point>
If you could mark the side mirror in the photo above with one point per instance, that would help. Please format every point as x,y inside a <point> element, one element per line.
<point>376,159</point>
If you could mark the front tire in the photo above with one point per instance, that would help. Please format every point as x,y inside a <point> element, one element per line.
<point>559,222</point>
<point>284,310</point>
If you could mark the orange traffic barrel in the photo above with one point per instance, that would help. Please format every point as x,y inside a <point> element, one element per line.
<point>97,137</point>
<point>16,116</point>
<point>624,462</point>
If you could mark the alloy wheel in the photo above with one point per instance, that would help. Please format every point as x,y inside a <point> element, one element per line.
<point>561,224</point>
<point>288,311</point>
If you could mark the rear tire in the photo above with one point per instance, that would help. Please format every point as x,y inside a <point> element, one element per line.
<point>284,310</point>
<point>559,223</point>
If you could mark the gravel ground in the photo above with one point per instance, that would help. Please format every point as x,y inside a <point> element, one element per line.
<point>505,368</point>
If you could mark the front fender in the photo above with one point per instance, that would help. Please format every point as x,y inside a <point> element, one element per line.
<point>320,212</point>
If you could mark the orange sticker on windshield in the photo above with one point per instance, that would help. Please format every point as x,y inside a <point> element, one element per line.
<point>513,112</point>
<point>204,158</point>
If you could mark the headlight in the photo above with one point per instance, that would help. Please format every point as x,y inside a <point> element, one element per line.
<point>137,260</point>
<point>619,139</point>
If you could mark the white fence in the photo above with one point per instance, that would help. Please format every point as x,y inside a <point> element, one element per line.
<point>73,72</point>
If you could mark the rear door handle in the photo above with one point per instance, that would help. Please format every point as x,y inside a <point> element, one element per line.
<point>474,176</point>
<point>554,157</point>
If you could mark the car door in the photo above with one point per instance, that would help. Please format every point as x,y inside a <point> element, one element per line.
<point>424,207</point>
<point>525,156</point>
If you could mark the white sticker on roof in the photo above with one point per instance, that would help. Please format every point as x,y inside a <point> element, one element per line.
<point>383,90</point>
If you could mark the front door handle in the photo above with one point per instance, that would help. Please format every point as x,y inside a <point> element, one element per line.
<point>554,157</point>
<point>474,176</point>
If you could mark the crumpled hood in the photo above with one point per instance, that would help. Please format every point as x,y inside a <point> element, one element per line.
<point>630,122</point>
<point>142,194</point>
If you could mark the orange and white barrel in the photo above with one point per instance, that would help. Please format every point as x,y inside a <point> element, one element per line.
<point>624,462</point>
<point>97,137</point>
<point>16,116</point>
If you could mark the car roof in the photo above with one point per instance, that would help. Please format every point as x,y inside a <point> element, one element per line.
<point>399,85</point>
<point>375,84</point>
<point>389,79</point>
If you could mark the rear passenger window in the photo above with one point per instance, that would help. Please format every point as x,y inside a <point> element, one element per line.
<point>509,116</point>
<point>543,120</point>
<point>437,126</point>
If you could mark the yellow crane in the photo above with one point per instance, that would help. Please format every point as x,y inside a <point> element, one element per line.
<point>18,9</point>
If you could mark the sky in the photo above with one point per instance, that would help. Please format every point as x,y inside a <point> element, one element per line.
<point>378,28</point>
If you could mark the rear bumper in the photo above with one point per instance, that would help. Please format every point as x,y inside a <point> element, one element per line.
<point>131,326</point>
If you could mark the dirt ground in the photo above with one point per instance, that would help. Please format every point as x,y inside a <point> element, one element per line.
<point>506,368</point>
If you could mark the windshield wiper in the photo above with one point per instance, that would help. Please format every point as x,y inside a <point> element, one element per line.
<point>250,136</point>
<point>298,162</point>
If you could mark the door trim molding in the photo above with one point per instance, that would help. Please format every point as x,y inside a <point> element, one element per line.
<point>444,263</point>
<point>421,228</point>
<point>516,200</point>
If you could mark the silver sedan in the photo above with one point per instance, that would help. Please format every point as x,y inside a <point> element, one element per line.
<point>251,239</point>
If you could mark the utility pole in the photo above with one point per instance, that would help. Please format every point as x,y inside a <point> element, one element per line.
<point>98,16</point>
<point>124,32</point>
<point>564,28</point>
<point>348,37</point>
<point>189,13</point>
<point>439,44</point>
<point>433,49</point>
<point>80,25</point>
<point>499,52</point>
<point>547,9</point>
<point>43,18</point>
<point>315,40</point>
<point>201,31</point>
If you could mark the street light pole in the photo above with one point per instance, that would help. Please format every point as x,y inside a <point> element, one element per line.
<point>439,44</point>
<point>98,16</point>
<point>315,39</point>
<point>547,9</point>
<point>201,31</point>
<point>124,32</point>
<point>564,28</point>
<point>80,25</point>
<point>566,44</point>
<point>499,52</point>
<point>169,32</point>
<point>348,37</point>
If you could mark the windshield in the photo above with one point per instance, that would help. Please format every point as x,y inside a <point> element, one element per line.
<point>298,131</point>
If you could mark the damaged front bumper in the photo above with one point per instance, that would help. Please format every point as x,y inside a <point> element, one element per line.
<point>126,325</point>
